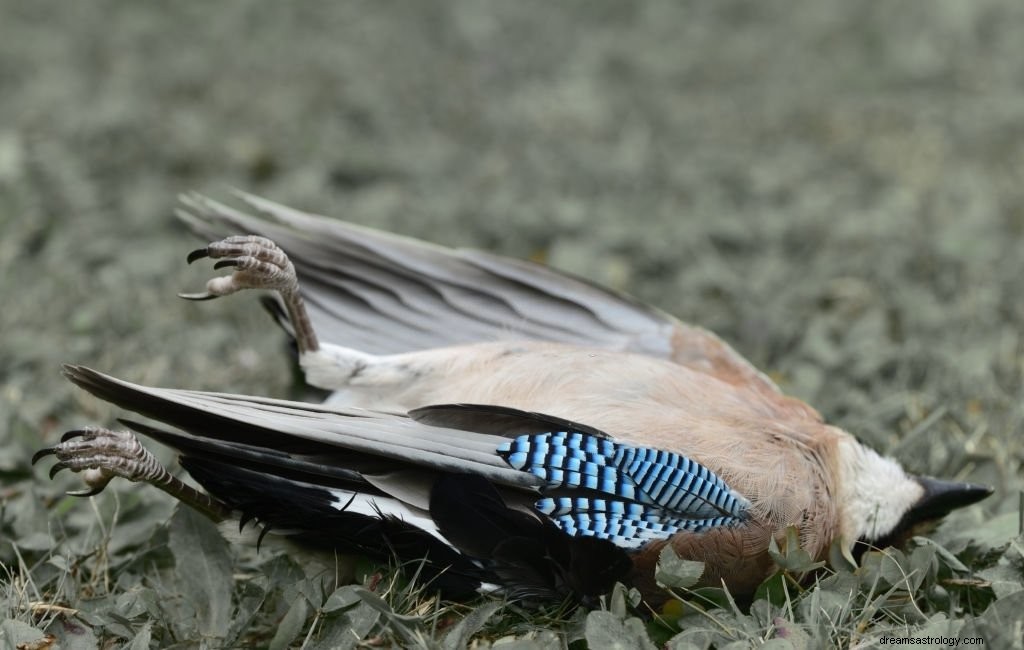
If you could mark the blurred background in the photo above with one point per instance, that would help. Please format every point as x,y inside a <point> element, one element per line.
<point>834,188</point>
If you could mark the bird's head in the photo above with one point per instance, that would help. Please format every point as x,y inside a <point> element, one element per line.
<point>881,505</point>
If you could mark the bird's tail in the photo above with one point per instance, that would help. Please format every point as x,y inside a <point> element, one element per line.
<point>380,484</point>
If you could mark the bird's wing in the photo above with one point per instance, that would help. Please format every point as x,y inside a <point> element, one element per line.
<point>463,479</point>
<point>382,293</point>
<point>297,431</point>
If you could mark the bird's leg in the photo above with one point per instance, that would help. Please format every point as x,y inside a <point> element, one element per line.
<point>101,455</point>
<point>259,264</point>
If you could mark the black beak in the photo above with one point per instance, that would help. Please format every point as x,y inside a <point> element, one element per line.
<point>939,499</point>
<point>942,497</point>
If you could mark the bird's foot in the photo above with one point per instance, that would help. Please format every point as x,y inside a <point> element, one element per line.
<point>258,264</point>
<point>102,455</point>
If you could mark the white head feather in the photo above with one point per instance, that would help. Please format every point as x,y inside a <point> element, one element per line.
<point>874,492</point>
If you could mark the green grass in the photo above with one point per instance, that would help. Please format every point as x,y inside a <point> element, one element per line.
<point>119,573</point>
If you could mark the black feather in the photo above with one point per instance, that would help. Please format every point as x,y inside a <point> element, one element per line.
<point>530,557</point>
<point>288,481</point>
<point>308,514</point>
<point>497,420</point>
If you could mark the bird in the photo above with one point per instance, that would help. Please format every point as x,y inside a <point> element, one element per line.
<point>498,425</point>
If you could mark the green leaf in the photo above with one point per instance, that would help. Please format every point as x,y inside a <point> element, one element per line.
<point>831,601</point>
<point>939,625</point>
<point>840,557</point>
<point>137,601</point>
<point>892,568</point>
<point>410,628</point>
<point>606,631</point>
<point>344,630</point>
<point>37,541</point>
<point>203,569</point>
<point>673,572</point>
<point>993,533</point>
<point>697,632</point>
<point>791,557</point>
<point>773,590</point>
<point>250,596</point>
<point>1005,578</point>
<point>461,634</point>
<point>944,554</point>
<point>535,640</point>
<point>1001,625</point>
<point>282,572</point>
<point>291,625</point>
<point>794,635</point>
<point>342,598</point>
<point>679,643</point>
<point>142,638</point>
<point>14,632</point>
<point>622,599</point>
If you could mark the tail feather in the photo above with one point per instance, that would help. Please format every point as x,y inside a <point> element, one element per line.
<point>366,439</point>
<point>315,517</point>
<point>379,484</point>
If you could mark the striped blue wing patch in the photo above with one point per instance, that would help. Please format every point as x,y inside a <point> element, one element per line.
<point>629,495</point>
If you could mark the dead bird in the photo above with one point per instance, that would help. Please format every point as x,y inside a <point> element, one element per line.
<point>503,426</point>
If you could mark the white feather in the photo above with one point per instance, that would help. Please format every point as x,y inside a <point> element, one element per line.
<point>374,506</point>
<point>874,492</point>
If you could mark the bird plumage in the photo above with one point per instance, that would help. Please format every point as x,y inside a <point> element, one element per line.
<point>522,429</point>
<point>382,293</point>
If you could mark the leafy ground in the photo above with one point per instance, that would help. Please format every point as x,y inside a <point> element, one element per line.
<point>834,188</point>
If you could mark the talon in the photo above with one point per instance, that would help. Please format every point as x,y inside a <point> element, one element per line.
<point>198,254</point>
<point>43,453</point>
<point>100,455</point>
<point>58,467</point>
<point>257,263</point>
<point>206,295</point>
<point>74,433</point>
<point>91,492</point>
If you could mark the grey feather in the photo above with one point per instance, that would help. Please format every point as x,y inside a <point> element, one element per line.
<point>383,435</point>
<point>374,291</point>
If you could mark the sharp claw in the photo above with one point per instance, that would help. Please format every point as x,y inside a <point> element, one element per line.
<point>221,264</point>
<point>198,254</point>
<point>206,295</point>
<point>43,453</point>
<point>56,468</point>
<point>263,533</point>
<point>91,492</point>
<point>74,433</point>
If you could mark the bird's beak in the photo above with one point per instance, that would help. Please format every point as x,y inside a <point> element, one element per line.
<point>942,497</point>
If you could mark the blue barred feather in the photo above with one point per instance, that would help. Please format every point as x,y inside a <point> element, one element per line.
<point>654,493</point>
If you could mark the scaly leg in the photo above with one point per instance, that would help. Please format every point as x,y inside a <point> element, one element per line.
<point>102,454</point>
<point>259,264</point>
<point>365,379</point>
